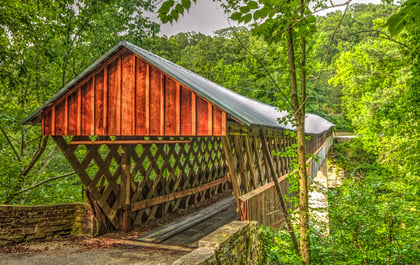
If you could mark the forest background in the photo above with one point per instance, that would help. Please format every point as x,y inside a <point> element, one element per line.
<point>369,85</point>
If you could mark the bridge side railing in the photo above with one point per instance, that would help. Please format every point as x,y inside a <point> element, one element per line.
<point>254,189</point>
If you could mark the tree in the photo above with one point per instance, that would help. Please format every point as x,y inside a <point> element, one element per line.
<point>280,21</point>
<point>44,45</point>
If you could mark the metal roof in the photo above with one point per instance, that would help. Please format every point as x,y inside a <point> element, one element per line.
<point>246,110</point>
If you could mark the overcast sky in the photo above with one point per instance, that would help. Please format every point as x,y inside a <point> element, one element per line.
<point>206,17</point>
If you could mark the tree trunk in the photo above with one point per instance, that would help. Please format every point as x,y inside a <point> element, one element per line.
<point>303,190</point>
<point>299,115</point>
<point>300,132</point>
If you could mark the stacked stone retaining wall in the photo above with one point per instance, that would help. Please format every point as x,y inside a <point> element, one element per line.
<point>234,243</point>
<point>19,223</point>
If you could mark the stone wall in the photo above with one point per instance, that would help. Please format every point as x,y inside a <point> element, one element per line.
<point>19,223</point>
<point>234,243</point>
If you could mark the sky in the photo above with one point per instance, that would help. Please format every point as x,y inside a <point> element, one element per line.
<point>207,16</point>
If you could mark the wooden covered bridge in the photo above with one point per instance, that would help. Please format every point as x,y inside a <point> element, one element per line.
<point>148,137</point>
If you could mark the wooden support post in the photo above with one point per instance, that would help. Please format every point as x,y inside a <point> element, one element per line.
<point>259,159</point>
<point>233,179</point>
<point>241,161</point>
<point>125,190</point>
<point>283,205</point>
<point>251,163</point>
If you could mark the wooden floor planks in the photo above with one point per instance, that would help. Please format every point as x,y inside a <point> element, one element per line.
<point>191,236</point>
<point>182,224</point>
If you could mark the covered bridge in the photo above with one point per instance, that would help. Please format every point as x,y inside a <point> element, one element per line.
<point>147,137</point>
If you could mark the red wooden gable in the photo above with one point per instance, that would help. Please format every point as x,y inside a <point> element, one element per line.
<point>127,96</point>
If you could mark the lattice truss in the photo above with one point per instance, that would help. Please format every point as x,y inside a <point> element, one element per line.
<point>249,162</point>
<point>162,177</point>
<point>252,177</point>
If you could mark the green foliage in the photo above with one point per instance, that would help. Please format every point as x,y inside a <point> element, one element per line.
<point>379,80</point>
<point>223,58</point>
<point>44,45</point>
<point>407,17</point>
<point>277,247</point>
<point>373,216</point>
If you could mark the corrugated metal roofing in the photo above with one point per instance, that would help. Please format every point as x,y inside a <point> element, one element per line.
<point>248,111</point>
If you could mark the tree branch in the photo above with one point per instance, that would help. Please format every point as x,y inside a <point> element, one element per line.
<point>10,143</point>
<point>388,37</point>
<point>41,149</point>
<point>47,180</point>
<point>262,65</point>
<point>47,160</point>
<point>325,57</point>
<point>310,14</point>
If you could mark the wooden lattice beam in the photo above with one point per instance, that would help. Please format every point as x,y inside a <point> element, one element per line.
<point>128,184</point>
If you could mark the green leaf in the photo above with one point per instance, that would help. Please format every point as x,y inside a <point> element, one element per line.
<point>186,4</point>
<point>252,5</point>
<point>236,16</point>
<point>174,15</point>
<point>396,23</point>
<point>166,6</point>
<point>262,13</point>
<point>247,18</point>
<point>244,9</point>
<point>179,9</point>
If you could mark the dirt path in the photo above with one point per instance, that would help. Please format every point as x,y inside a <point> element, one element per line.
<point>89,251</point>
<point>89,257</point>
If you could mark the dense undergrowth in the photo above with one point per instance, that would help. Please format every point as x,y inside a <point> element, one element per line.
<point>373,216</point>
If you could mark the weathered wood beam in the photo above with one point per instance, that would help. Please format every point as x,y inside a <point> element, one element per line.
<point>175,195</point>
<point>232,173</point>
<point>251,163</point>
<point>128,142</point>
<point>125,190</point>
<point>241,161</point>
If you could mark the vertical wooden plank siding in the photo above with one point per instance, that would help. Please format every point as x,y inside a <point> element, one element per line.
<point>47,122</point>
<point>79,111</point>
<point>155,101</point>
<point>66,116</point>
<point>87,111</point>
<point>178,107</point>
<point>53,120</point>
<point>60,118</point>
<point>114,100</point>
<point>194,114</point>
<point>128,96</point>
<point>142,100</point>
<point>99,103</point>
<point>93,95</point>
<point>105,119</point>
<point>170,107</point>
<point>162,104</point>
<point>186,112</point>
<point>218,122</point>
<point>203,113</point>
<point>72,114</point>
<point>210,118</point>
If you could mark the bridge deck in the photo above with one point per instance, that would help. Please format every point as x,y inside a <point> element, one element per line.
<point>188,230</point>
